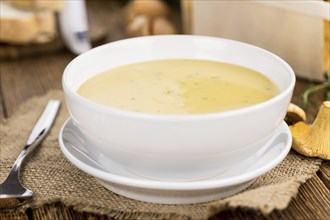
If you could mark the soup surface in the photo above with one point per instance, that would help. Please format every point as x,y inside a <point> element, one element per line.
<point>179,86</point>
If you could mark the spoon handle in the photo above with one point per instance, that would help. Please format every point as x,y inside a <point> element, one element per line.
<point>39,131</point>
<point>45,121</point>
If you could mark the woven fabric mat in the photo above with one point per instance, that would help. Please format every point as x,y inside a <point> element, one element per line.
<point>54,179</point>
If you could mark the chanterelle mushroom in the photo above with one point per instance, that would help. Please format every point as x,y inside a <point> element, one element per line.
<point>314,141</point>
<point>294,114</point>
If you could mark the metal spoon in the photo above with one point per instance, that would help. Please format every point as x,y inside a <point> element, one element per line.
<point>12,187</point>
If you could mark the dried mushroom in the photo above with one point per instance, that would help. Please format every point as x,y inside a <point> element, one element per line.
<point>139,27</point>
<point>150,9</point>
<point>143,26</point>
<point>144,17</point>
<point>314,140</point>
<point>162,26</point>
<point>294,114</point>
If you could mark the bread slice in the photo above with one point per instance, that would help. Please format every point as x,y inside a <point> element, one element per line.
<point>26,26</point>
<point>53,5</point>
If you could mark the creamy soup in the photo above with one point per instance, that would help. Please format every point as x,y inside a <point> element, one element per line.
<point>179,86</point>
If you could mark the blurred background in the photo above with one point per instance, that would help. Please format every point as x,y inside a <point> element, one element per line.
<point>38,38</point>
<point>297,31</point>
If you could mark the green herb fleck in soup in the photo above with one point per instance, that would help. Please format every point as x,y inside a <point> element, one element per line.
<point>179,86</point>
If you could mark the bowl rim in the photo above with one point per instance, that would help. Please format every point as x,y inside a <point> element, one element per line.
<point>153,116</point>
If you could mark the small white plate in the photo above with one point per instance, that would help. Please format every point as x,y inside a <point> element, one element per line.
<point>119,180</point>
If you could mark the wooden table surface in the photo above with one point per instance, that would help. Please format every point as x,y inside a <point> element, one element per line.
<point>31,76</point>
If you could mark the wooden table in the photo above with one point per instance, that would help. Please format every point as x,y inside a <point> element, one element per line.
<point>27,77</point>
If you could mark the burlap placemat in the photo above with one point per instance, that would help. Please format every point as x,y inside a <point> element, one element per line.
<point>53,178</point>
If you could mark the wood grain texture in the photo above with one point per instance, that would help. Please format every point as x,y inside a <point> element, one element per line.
<point>324,174</point>
<point>312,202</point>
<point>2,113</point>
<point>306,205</point>
<point>315,99</point>
<point>28,77</point>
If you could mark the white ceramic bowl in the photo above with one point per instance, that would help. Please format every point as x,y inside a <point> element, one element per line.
<point>177,147</point>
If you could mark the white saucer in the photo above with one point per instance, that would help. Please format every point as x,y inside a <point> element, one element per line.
<point>119,180</point>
